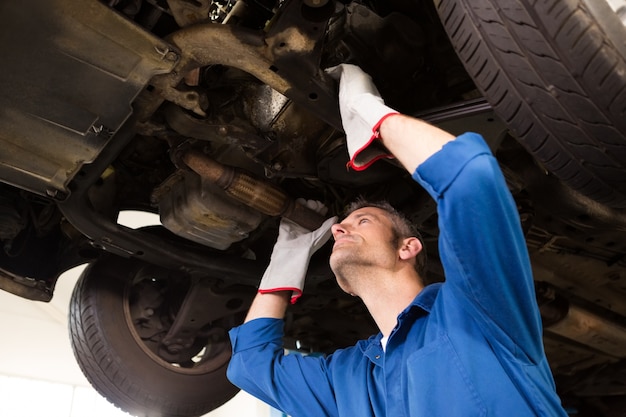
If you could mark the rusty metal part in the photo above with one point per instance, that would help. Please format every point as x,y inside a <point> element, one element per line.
<point>261,195</point>
<point>571,321</point>
<point>203,305</point>
<point>216,131</point>
<point>199,210</point>
<point>591,330</point>
<point>189,12</point>
<point>284,59</point>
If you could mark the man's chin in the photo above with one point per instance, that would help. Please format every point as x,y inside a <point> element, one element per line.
<point>342,266</point>
<point>335,263</point>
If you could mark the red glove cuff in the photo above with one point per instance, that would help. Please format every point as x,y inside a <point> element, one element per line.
<point>375,135</point>
<point>295,292</point>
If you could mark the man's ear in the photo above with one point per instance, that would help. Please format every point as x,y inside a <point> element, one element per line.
<point>410,247</point>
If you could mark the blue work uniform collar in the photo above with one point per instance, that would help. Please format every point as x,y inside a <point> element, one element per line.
<point>421,305</point>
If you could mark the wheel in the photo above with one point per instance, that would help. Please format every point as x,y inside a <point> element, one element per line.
<point>555,72</point>
<point>119,312</point>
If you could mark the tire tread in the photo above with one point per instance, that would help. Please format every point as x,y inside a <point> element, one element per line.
<point>551,74</point>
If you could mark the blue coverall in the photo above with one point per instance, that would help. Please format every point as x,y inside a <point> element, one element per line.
<point>471,346</point>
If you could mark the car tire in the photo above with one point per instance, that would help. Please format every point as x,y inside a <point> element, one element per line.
<point>121,365</point>
<point>555,72</point>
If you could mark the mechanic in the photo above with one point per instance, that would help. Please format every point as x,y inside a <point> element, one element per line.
<point>471,346</point>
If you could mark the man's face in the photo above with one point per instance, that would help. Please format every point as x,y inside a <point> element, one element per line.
<point>363,239</point>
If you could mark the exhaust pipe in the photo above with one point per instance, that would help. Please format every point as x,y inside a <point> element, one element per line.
<point>258,194</point>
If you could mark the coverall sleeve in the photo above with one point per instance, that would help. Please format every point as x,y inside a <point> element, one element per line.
<point>481,244</point>
<point>295,384</point>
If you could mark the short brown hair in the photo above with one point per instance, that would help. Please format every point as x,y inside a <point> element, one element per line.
<point>402,228</point>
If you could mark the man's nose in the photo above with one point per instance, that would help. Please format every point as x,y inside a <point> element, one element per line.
<point>337,229</point>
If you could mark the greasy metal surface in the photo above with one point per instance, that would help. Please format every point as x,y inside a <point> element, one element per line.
<point>24,287</point>
<point>202,306</point>
<point>203,45</point>
<point>267,105</point>
<point>69,73</point>
<point>257,54</point>
<point>585,278</point>
<point>189,12</point>
<point>260,195</point>
<point>198,210</point>
<point>155,249</point>
<point>263,196</point>
<point>592,330</point>
<point>216,131</point>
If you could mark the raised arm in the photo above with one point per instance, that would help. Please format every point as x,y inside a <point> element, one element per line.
<point>481,244</point>
<point>413,141</point>
<point>258,364</point>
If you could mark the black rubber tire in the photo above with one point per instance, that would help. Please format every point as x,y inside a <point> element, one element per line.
<point>555,72</point>
<point>112,359</point>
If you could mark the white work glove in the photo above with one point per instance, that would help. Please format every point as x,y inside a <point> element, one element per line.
<point>292,252</point>
<point>362,111</point>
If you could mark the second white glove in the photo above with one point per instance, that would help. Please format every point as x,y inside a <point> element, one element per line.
<point>292,252</point>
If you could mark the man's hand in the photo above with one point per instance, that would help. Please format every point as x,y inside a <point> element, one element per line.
<point>362,111</point>
<point>293,250</point>
<point>365,118</point>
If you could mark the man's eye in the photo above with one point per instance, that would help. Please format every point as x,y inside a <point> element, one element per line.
<point>363,221</point>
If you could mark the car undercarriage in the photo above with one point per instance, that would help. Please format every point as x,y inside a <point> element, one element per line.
<point>218,115</point>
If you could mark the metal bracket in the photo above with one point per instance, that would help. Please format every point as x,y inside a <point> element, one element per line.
<point>202,305</point>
